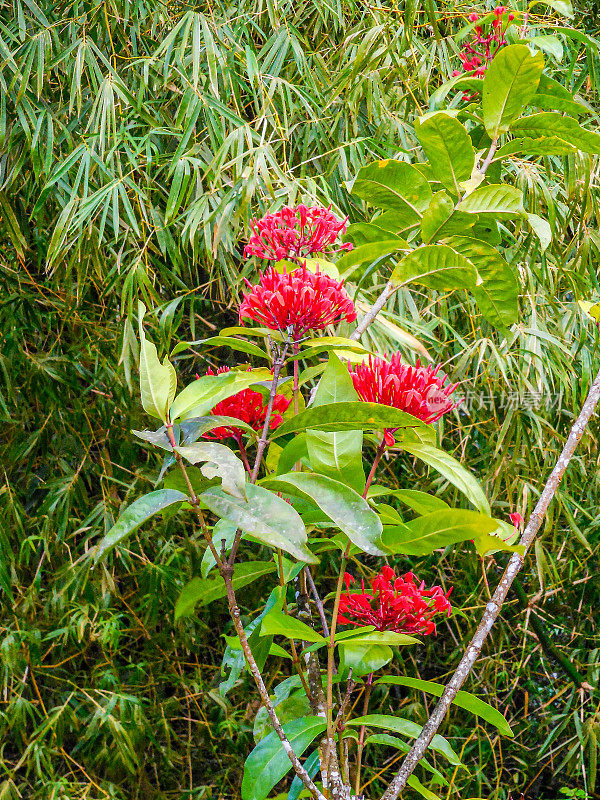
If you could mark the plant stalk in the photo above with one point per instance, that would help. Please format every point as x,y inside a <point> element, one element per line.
<point>492,609</point>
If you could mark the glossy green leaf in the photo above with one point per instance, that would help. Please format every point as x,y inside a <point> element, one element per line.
<point>464,700</point>
<point>276,623</point>
<point>421,502</point>
<point>203,591</point>
<point>408,728</point>
<point>337,455</point>
<point>395,186</point>
<point>441,219</point>
<point>158,382</point>
<point>346,508</point>
<point>498,200</point>
<point>438,529</point>
<point>221,463</point>
<point>564,7</point>
<point>370,253</point>
<point>222,341</point>
<point>363,659</point>
<point>361,233</point>
<point>453,471</point>
<point>350,416</point>
<point>498,295</point>
<point>541,228</point>
<point>268,763</point>
<point>199,397</point>
<point>510,82</point>
<point>448,148</point>
<point>265,516</point>
<point>135,515</point>
<point>436,266</point>
<point>548,123</point>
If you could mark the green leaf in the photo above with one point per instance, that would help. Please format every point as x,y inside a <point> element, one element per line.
<point>441,219</point>
<point>548,123</point>
<point>464,700</point>
<point>564,7</point>
<point>158,382</point>
<point>498,295</point>
<point>204,393</point>
<point>202,591</point>
<point>276,623</point>
<point>349,511</point>
<point>369,253</point>
<point>453,471</point>
<point>406,728</point>
<point>510,82</point>
<point>416,784</point>
<point>222,463</point>
<point>448,148</point>
<point>196,427</point>
<point>430,532</point>
<point>223,341</point>
<point>421,502</point>
<point>337,455</point>
<point>363,659</point>
<point>268,763</point>
<point>391,638</point>
<point>137,513</point>
<point>395,186</point>
<point>547,44</point>
<point>498,200</point>
<point>541,228</point>
<point>436,266</point>
<point>265,516</point>
<point>351,416</point>
<point>361,233</point>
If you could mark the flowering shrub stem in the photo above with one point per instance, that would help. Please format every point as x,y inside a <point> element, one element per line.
<point>262,442</point>
<point>492,609</point>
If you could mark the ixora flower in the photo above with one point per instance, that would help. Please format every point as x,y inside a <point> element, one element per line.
<point>248,406</point>
<point>297,301</point>
<point>477,54</point>
<point>418,390</point>
<point>295,233</point>
<point>396,603</point>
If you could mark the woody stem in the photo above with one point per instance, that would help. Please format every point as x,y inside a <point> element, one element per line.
<point>262,442</point>
<point>361,735</point>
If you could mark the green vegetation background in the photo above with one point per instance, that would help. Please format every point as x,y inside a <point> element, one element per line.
<point>136,140</point>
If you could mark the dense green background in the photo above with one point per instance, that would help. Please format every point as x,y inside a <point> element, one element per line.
<point>136,140</point>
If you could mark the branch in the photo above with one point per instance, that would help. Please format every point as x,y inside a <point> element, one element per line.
<point>492,609</point>
<point>227,572</point>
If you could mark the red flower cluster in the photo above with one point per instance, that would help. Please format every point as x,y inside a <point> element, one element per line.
<point>396,604</point>
<point>516,519</point>
<point>477,54</point>
<point>248,406</point>
<point>295,233</point>
<point>297,301</point>
<point>417,390</point>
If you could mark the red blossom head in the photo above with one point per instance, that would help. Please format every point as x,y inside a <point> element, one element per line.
<point>297,301</point>
<point>418,390</point>
<point>396,603</point>
<point>248,406</point>
<point>516,519</point>
<point>295,233</point>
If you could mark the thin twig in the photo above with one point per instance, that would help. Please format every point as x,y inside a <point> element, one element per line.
<point>492,609</point>
<point>227,573</point>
